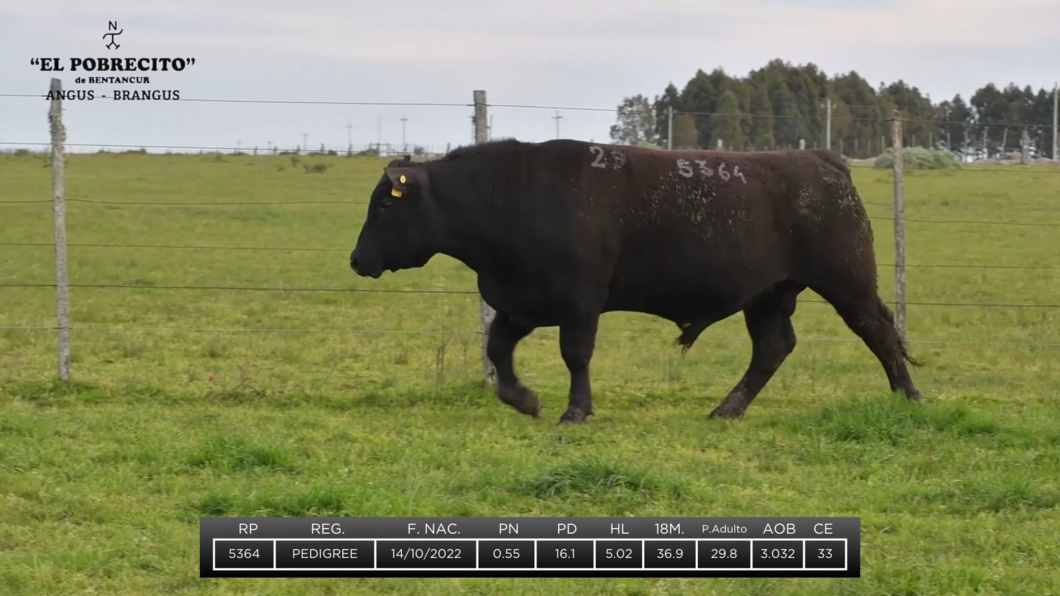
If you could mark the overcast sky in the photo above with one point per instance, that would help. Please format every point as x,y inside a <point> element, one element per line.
<point>575,53</point>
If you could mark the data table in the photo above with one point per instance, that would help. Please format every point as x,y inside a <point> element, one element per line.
<point>530,547</point>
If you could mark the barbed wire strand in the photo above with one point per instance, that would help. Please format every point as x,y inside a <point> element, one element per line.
<point>363,204</point>
<point>433,291</point>
<point>616,333</point>
<point>1034,169</point>
<point>345,251</point>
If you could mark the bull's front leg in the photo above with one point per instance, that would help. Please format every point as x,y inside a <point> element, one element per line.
<point>577,340</point>
<point>504,335</point>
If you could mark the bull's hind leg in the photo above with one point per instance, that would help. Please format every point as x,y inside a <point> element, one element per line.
<point>768,322</point>
<point>504,335</point>
<point>872,321</point>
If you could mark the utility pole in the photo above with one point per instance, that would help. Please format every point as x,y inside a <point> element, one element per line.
<point>379,134</point>
<point>404,145</point>
<point>669,127</point>
<point>349,139</point>
<point>557,119</point>
<point>489,129</point>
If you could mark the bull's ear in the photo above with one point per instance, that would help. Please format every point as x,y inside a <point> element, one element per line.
<point>405,181</point>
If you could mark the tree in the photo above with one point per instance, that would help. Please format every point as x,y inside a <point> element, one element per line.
<point>670,98</point>
<point>781,103</point>
<point>957,123</point>
<point>727,122</point>
<point>636,122</point>
<point>761,116</point>
<point>685,132</point>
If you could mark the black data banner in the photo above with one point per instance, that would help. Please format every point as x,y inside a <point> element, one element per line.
<point>530,547</point>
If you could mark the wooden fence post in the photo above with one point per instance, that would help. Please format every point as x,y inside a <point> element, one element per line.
<point>481,136</point>
<point>62,298</point>
<point>899,229</point>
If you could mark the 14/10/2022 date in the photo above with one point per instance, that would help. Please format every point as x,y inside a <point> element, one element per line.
<point>424,554</point>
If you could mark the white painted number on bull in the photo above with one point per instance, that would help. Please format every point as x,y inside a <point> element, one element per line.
<point>736,172</point>
<point>619,157</point>
<point>599,153</point>
<point>684,167</point>
<point>722,172</point>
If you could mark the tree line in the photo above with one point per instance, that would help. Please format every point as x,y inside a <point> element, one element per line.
<point>780,104</point>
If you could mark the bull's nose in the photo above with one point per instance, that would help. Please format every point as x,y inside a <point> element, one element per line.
<point>353,262</point>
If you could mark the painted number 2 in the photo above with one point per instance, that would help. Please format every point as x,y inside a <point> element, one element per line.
<point>618,158</point>
<point>684,168</point>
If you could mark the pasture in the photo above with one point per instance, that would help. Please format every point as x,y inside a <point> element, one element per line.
<point>205,401</point>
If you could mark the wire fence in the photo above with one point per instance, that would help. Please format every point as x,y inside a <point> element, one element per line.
<point>61,286</point>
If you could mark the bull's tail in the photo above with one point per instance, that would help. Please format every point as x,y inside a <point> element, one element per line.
<point>886,314</point>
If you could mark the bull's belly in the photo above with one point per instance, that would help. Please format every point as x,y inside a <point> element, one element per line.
<point>679,307</point>
<point>677,298</point>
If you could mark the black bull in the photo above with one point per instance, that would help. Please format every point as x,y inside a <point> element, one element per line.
<point>563,231</point>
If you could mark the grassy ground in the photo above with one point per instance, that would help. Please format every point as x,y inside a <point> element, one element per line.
<point>375,410</point>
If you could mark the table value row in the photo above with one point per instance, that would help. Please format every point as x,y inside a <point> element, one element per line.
<point>234,554</point>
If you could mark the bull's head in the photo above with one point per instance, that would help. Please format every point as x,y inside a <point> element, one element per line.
<point>403,226</point>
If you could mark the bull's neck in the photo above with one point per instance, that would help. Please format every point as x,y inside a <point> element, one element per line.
<point>474,221</point>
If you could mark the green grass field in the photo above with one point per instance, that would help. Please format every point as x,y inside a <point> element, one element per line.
<point>189,403</point>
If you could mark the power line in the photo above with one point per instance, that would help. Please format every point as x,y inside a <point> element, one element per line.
<point>573,108</point>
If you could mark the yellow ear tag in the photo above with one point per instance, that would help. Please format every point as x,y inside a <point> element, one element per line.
<point>395,192</point>
<point>402,178</point>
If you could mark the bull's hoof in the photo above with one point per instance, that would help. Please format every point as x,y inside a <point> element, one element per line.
<point>726,412</point>
<point>522,399</point>
<point>574,416</point>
